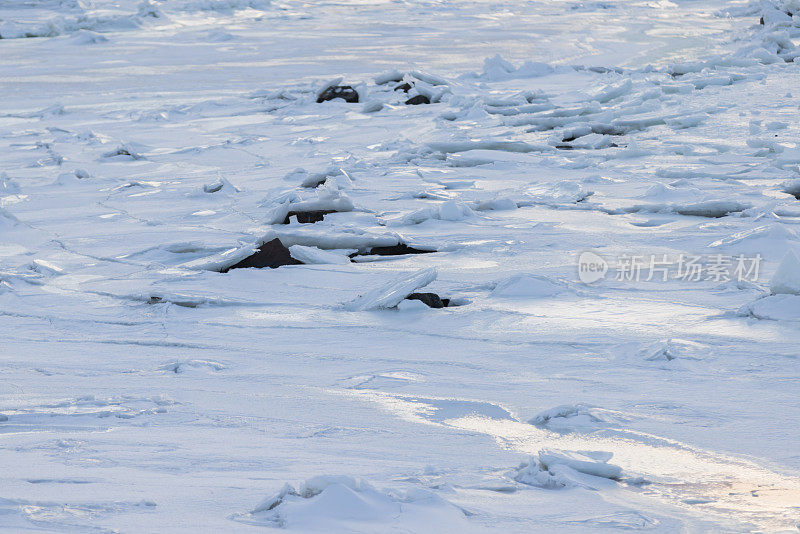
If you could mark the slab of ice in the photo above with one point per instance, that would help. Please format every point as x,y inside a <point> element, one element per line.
<point>787,278</point>
<point>392,293</point>
<point>222,260</point>
<point>593,463</point>
<point>569,417</point>
<point>782,307</point>
<point>314,255</point>
<point>450,210</point>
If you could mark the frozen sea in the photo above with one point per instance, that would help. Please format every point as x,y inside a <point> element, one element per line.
<point>606,192</point>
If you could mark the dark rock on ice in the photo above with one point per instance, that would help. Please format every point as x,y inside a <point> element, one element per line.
<point>307,216</point>
<point>394,250</point>
<point>405,87</point>
<point>345,92</point>
<point>416,100</point>
<point>271,254</point>
<point>432,300</point>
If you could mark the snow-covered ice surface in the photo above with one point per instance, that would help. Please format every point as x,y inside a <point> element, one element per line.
<point>147,146</point>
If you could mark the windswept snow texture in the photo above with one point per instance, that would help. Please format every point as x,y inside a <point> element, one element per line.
<point>149,145</point>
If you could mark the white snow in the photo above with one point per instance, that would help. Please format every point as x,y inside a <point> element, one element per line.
<point>787,277</point>
<point>341,503</point>
<point>148,145</point>
<point>313,255</point>
<point>527,286</point>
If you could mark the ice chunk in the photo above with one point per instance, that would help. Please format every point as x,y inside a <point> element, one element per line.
<point>533,473</point>
<point>451,147</point>
<point>329,200</point>
<point>412,305</point>
<point>45,267</point>
<point>557,194</point>
<point>218,185</point>
<point>568,417</point>
<point>787,278</point>
<point>497,69</point>
<point>86,37</point>
<point>339,503</point>
<point>611,92</point>
<point>429,78</point>
<point>673,349</point>
<point>686,121</point>
<point>314,255</point>
<point>496,204</point>
<point>593,463</point>
<point>782,307</point>
<point>222,260</point>
<point>450,210</point>
<point>454,211</point>
<point>330,83</point>
<point>125,150</point>
<point>372,106</point>
<point>392,293</point>
<point>390,76</point>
